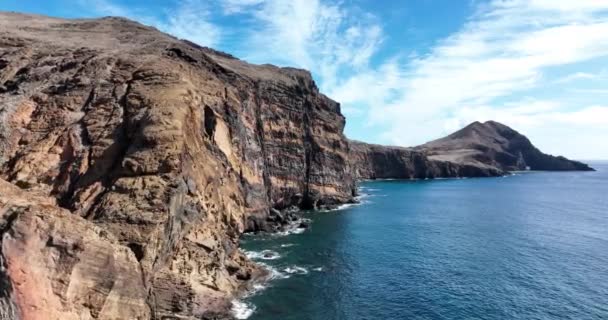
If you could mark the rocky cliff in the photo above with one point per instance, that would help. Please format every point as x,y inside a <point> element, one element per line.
<point>370,161</point>
<point>133,161</point>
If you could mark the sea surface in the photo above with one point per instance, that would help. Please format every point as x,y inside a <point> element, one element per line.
<point>528,246</point>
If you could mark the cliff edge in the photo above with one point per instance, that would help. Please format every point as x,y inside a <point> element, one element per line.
<point>371,161</point>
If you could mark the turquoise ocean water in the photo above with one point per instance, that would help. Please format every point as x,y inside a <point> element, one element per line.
<point>528,246</point>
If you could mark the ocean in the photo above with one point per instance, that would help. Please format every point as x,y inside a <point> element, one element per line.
<point>532,245</point>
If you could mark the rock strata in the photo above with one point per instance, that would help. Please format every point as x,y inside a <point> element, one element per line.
<point>151,156</point>
<point>478,150</point>
<point>492,144</point>
<point>371,161</point>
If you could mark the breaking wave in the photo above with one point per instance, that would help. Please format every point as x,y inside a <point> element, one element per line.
<point>241,309</point>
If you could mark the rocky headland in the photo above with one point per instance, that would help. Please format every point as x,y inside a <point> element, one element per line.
<point>371,161</point>
<point>495,145</point>
<point>479,150</point>
<point>131,162</point>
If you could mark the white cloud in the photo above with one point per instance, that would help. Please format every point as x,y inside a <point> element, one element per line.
<point>557,5</point>
<point>186,19</point>
<point>501,52</point>
<point>590,91</point>
<point>332,41</point>
<point>190,20</point>
<point>577,76</point>
<point>239,6</point>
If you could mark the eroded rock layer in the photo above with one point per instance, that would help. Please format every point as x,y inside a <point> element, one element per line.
<point>370,161</point>
<point>152,155</point>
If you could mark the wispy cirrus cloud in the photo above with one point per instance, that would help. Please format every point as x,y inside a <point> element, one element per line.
<point>104,7</point>
<point>239,6</point>
<point>191,19</point>
<point>325,37</point>
<point>186,19</point>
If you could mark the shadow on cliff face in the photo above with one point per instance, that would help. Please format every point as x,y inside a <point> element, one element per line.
<point>209,121</point>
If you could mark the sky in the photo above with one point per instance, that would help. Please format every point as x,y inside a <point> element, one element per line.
<point>410,71</point>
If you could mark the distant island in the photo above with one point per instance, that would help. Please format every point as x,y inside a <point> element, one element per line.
<point>131,162</point>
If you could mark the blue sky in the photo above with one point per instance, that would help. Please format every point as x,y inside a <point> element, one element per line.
<point>411,71</point>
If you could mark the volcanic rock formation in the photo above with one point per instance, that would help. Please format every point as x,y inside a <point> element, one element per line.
<point>370,161</point>
<point>145,158</point>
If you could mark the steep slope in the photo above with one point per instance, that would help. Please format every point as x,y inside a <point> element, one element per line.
<point>158,150</point>
<point>493,144</point>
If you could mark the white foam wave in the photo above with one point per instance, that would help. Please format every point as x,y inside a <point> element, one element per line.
<point>287,245</point>
<point>296,270</point>
<point>345,206</point>
<point>257,288</point>
<point>291,230</point>
<point>274,274</point>
<point>318,269</point>
<point>340,207</point>
<point>242,310</point>
<point>263,255</point>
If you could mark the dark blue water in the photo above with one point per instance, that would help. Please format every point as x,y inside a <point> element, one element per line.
<point>529,246</point>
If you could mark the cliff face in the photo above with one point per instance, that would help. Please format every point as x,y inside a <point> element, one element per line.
<point>371,161</point>
<point>495,145</point>
<point>133,162</point>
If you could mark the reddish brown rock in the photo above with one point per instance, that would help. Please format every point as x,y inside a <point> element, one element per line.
<point>56,265</point>
<point>159,151</point>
